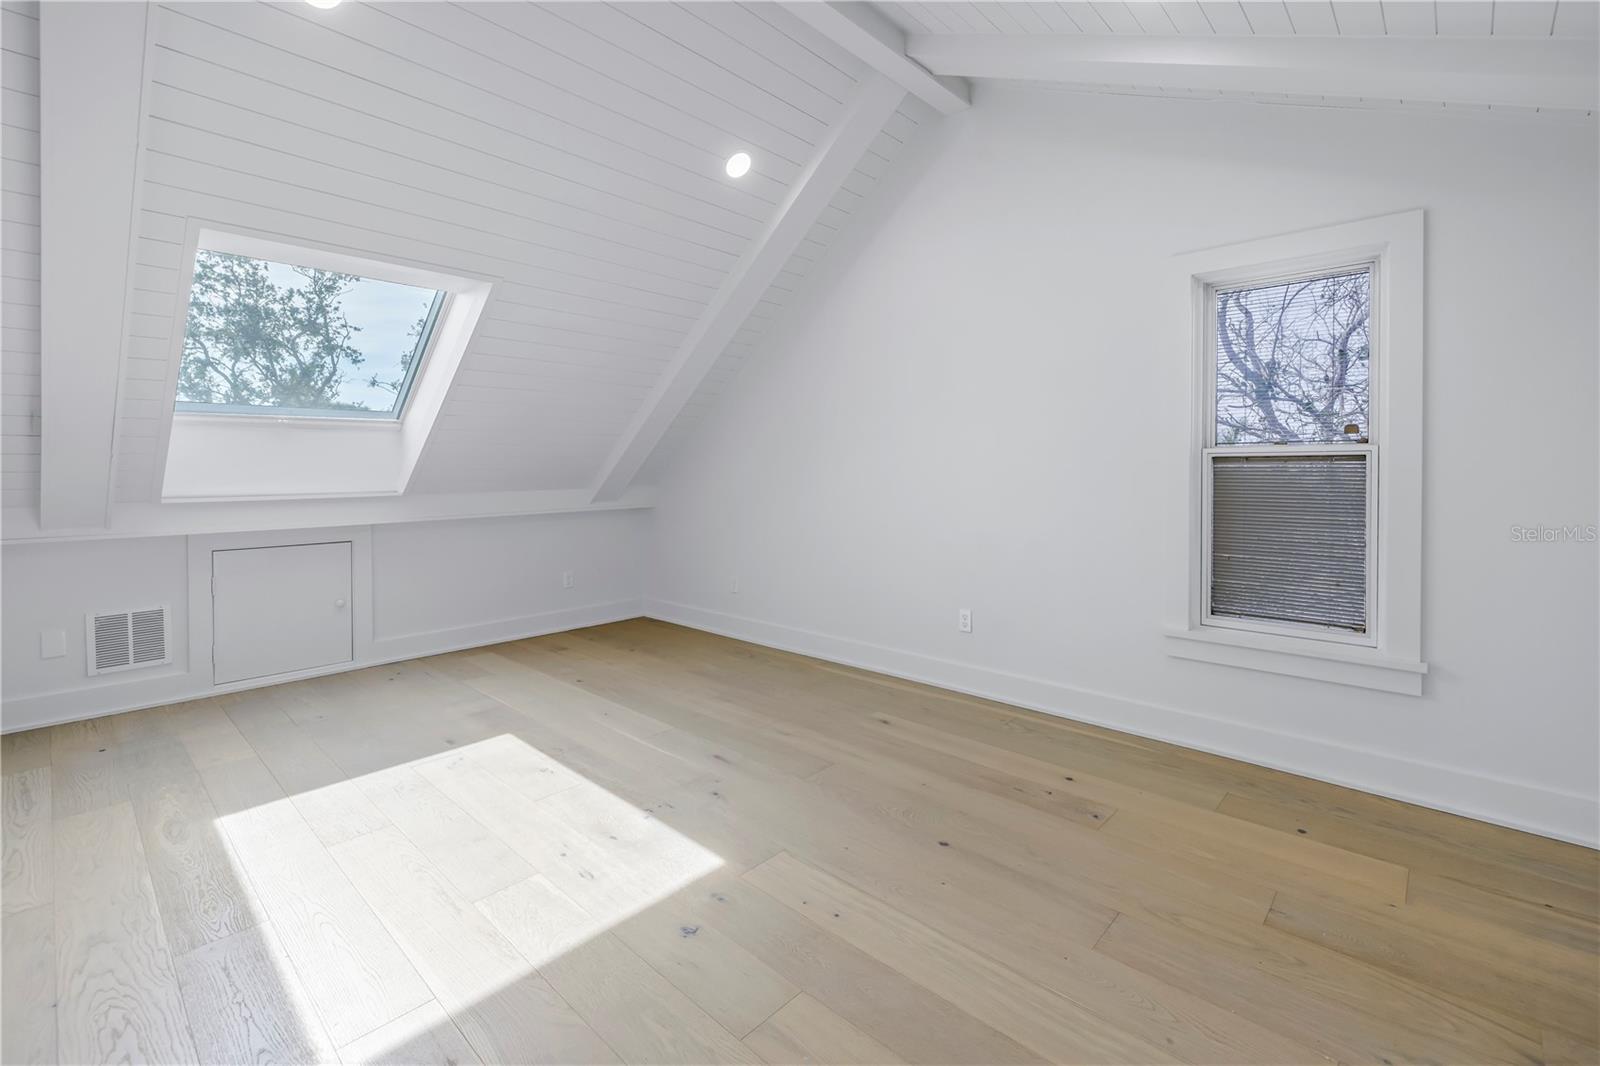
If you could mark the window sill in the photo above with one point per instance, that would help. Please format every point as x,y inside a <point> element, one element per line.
<point>1341,664</point>
<point>236,418</point>
<point>242,457</point>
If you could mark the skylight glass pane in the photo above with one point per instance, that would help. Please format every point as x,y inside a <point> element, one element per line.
<point>1292,361</point>
<point>265,337</point>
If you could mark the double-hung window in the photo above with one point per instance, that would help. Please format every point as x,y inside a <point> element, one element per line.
<point>1290,462</point>
<point>1303,534</point>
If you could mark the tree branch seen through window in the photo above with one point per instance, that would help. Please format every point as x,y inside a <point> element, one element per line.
<point>1292,361</point>
<point>261,334</point>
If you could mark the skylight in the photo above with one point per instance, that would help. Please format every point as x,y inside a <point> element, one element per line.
<point>272,338</point>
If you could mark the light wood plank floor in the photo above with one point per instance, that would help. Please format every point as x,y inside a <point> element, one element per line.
<point>645,844</point>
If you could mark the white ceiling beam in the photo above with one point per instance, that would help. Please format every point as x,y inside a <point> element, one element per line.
<point>862,31</point>
<point>1545,72</point>
<point>91,74</point>
<point>836,155</point>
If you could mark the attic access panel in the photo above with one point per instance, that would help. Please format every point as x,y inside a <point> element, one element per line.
<point>280,609</point>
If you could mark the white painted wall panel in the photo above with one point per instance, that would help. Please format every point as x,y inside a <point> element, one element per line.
<point>53,586</point>
<point>457,575</point>
<point>974,407</point>
<point>435,586</point>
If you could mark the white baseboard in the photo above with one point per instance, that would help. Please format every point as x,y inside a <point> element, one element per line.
<point>1515,804</point>
<point>439,641</point>
<point>71,705</point>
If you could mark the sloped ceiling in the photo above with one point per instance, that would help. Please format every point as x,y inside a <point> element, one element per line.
<point>574,151</point>
<point>1363,18</point>
<point>19,256</point>
<point>1509,24</point>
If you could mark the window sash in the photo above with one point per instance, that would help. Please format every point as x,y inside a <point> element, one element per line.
<point>1305,630</point>
<point>1208,356</point>
<point>1210,450</point>
<point>392,415</point>
<point>441,300</point>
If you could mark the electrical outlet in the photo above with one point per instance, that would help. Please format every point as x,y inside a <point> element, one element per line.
<point>964,620</point>
<point>733,586</point>
<point>566,579</point>
<point>52,644</point>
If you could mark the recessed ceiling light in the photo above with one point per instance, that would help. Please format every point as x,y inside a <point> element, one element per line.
<point>738,164</point>
<point>324,4</point>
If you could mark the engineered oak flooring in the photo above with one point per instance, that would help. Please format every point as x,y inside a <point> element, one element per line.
<point>640,843</point>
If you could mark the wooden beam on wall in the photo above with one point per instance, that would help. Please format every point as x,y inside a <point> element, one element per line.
<point>862,31</point>
<point>840,149</point>
<point>91,75</point>
<point>1552,72</point>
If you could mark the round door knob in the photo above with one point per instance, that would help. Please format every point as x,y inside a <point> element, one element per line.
<point>338,603</point>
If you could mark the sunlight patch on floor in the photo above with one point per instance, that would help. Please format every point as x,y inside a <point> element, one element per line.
<point>486,861</point>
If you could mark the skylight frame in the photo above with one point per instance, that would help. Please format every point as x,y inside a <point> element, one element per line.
<point>206,458</point>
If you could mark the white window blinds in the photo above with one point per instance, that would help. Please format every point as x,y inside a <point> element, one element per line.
<point>1289,539</point>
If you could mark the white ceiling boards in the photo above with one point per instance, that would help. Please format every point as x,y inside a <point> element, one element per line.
<point>575,156</point>
<point>574,152</point>
<point>1515,55</point>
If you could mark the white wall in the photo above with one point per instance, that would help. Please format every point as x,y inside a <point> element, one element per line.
<point>974,410</point>
<point>435,586</point>
<point>52,586</point>
<point>434,579</point>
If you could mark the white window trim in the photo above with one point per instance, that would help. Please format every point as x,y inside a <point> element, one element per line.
<point>1389,656</point>
<point>377,456</point>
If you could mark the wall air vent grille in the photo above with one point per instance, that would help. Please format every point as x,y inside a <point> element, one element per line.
<point>127,640</point>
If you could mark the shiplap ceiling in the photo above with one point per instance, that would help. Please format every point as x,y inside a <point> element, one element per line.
<point>1360,18</point>
<point>19,255</point>
<point>574,151</point>
<point>1012,41</point>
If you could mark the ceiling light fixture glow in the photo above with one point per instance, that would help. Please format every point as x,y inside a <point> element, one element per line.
<point>324,4</point>
<point>738,164</point>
